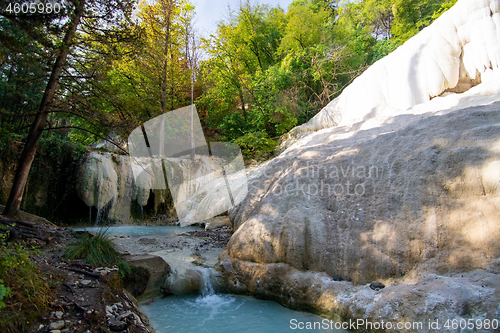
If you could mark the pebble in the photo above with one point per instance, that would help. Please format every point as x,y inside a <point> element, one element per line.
<point>377,286</point>
<point>85,283</point>
<point>116,325</point>
<point>105,270</point>
<point>125,315</point>
<point>56,325</point>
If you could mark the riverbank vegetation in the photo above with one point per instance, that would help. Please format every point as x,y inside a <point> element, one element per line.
<point>24,291</point>
<point>47,270</point>
<point>94,249</point>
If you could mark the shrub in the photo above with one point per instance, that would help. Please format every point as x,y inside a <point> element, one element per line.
<point>24,292</point>
<point>124,269</point>
<point>4,292</point>
<point>254,144</point>
<point>96,250</point>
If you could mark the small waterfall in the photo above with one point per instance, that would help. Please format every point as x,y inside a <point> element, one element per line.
<point>97,218</point>
<point>206,282</point>
<point>142,213</point>
<point>102,213</point>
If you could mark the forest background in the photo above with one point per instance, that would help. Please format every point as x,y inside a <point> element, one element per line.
<point>94,70</point>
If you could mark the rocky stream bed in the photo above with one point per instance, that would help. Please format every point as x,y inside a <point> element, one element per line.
<point>92,299</point>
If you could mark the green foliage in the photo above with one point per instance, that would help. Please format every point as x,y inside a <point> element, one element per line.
<point>96,250</point>
<point>53,178</point>
<point>371,29</point>
<point>305,27</point>
<point>124,269</point>
<point>383,48</point>
<point>4,292</point>
<point>23,72</point>
<point>411,16</point>
<point>444,7</point>
<point>253,144</point>
<point>24,292</point>
<point>270,71</point>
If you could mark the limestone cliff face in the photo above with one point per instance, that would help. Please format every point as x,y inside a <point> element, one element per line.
<point>109,183</point>
<point>98,181</point>
<point>106,182</point>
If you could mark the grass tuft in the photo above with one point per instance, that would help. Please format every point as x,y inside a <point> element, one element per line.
<point>97,250</point>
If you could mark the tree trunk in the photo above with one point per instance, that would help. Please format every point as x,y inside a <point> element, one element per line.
<point>28,154</point>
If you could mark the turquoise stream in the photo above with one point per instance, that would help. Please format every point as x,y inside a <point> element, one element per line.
<point>216,313</point>
<point>224,313</point>
<point>141,231</point>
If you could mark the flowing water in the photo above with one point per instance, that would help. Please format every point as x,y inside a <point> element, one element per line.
<point>211,312</point>
<point>225,313</point>
<point>140,231</point>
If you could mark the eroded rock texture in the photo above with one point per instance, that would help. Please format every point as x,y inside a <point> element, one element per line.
<point>396,181</point>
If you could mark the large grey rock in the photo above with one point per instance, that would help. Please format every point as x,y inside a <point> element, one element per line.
<point>158,269</point>
<point>413,203</point>
<point>117,325</point>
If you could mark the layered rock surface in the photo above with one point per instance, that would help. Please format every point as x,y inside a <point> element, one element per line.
<point>404,190</point>
<point>114,183</point>
<point>378,203</point>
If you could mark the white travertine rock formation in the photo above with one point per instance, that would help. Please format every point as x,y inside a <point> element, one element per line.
<point>396,181</point>
<point>98,181</point>
<point>106,181</point>
<point>198,189</point>
<point>460,49</point>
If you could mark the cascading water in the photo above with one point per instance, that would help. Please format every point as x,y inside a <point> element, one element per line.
<point>98,216</point>
<point>209,311</point>
<point>206,282</point>
<point>196,305</point>
<point>225,313</point>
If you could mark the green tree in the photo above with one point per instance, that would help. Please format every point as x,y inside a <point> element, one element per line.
<point>242,47</point>
<point>270,71</point>
<point>94,15</point>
